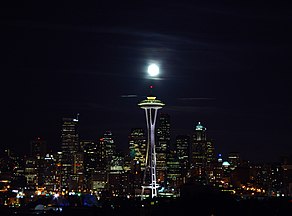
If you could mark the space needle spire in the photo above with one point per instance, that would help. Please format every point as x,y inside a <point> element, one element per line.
<point>151,105</point>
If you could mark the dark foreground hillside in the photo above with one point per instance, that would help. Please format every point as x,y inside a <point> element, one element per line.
<point>201,201</point>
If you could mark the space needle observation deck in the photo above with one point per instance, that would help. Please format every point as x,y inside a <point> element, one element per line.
<point>151,105</point>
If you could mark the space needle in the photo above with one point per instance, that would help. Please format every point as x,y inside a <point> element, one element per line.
<point>151,105</point>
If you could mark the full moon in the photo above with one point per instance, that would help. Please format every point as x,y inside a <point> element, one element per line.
<point>153,70</point>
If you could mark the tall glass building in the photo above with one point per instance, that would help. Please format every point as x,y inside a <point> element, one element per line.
<point>137,146</point>
<point>202,156</point>
<point>69,147</point>
<point>162,146</point>
<point>107,148</point>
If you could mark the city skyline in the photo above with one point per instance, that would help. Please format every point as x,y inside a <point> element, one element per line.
<point>225,65</point>
<point>124,148</point>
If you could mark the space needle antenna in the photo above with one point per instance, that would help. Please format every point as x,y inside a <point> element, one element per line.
<point>151,105</point>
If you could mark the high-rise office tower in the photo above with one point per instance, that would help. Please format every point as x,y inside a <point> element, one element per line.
<point>151,106</point>
<point>78,172</point>
<point>50,173</point>
<point>70,136</point>
<point>202,155</point>
<point>95,166</point>
<point>174,173</point>
<point>90,160</point>
<point>197,151</point>
<point>70,147</point>
<point>107,148</point>
<point>30,173</point>
<point>115,176</point>
<point>137,146</point>
<point>137,150</point>
<point>182,146</point>
<point>200,133</point>
<point>38,152</point>
<point>162,146</point>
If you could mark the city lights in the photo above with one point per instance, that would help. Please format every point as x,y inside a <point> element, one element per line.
<point>94,167</point>
<point>211,80</point>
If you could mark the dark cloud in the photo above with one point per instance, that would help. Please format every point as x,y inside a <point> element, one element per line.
<point>189,109</point>
<point>195,99</point>
<point>129,96</point>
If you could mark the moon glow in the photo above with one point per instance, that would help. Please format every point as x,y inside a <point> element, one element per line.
<point>153,70</point>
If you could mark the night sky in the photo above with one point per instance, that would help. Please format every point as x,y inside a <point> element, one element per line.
<point>225,65</point>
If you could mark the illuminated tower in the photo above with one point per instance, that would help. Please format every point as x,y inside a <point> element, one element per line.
<point>70,147</point>
<point>202,155</point>
<point>137,146</point>
<point>162,146</point>
<point>151,106</point>
<point>108,148</point>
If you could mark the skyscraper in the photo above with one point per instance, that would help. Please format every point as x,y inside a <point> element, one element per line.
<point>90,160</point>
<point>162,146</point>
<point>151,106</point>
<point>70,136</point>
<point>70,147</point>
<point>137,146</point>
<point>50,173</point>
<point>108,148</point>
<point>38,152</point>
<point>202,155</point>
<point>183,152</point>
<point>174,171</point>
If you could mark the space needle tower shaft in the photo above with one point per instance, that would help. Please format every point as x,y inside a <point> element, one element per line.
<point>151,106</point>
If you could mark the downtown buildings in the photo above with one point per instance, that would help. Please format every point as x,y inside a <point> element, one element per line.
<point>96,167</point>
